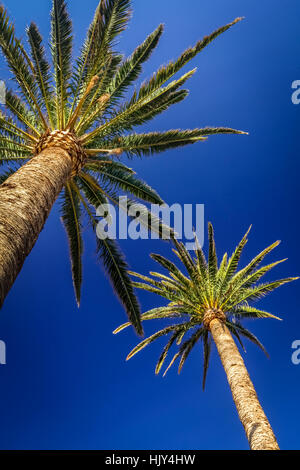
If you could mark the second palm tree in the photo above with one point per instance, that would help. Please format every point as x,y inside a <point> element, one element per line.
<point>209,303</point>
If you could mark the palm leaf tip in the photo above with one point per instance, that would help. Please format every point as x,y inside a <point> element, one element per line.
<point>120,328</point>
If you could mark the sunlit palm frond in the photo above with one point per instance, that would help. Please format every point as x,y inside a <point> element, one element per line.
<point>42,71</point>
<point>131,68</point>
<point>117,270</point>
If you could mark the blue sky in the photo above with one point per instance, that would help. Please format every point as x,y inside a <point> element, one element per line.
<point>66,384</point>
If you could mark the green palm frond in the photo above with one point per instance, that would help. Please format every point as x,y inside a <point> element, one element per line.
<point>91,190</point>
<point>20,111</point>
<point>97,57</point>
<point>84,67</point>
<point>71,218</point>
<point>6,174</point>
<point>61,49</point>
<point>96,165</point>
<point>165,73</point>
<point>152,338</point>
<point>9,128</point>
<point>187,347</point>
<point>156,142</point>
<point>161,312</point>
<point>138,111</point>
<point>206,353</point>
<point>195,295</point>
<point>234,260</point>
<point>131,68</point>
<point>19,64</point>
<point>13,148</point>
<point>250,312</point>
<point>174,337</point>
<point>42,70</point>
<point>111,257</point>
<point>212,255</point>
<point>120,178</point>
<point>247,334</point>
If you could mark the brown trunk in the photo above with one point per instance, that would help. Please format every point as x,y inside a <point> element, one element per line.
<point>252,416</point>
<point>26,199</point>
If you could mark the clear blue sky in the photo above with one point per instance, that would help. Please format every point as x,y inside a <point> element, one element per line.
<point>66,384</point>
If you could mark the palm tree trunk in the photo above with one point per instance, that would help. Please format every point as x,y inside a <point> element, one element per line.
<point>26,199</point>
<point>252,416</point>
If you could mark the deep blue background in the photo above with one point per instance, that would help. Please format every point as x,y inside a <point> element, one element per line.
<point>66,383</point>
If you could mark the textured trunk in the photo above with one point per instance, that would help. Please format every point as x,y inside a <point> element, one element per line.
<point>252,416</point>
<point>26,199</point>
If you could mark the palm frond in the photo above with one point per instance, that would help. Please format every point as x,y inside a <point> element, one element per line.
<point>206,355</point>
<point>110,19</point>
<point>187,347</point>
<point>166,349</point>
<point>234,260</point>
<point>19,64</point>
<point>91,190</point>
<point>185,258</point>
<point>239,282</point>
<point>131,68</point>
<point>6,174</point>
<point>155,142</point>
<point>255,262</point>
<point>61,50</point>
<point>145,218</point>
<point>256,293</point>
<point>138,111</point>
<point>116,268</point>
<point>212,255</point>
<point>70,217</point>
<point>94,100</point>
<point>245,311</point>
<point>165,73</point>
<point>247,334</point>
<point>13,149</point>
<point>10,129</point>
<point>167,264</point>
<point>19,110</point>
<point>152,338</point>
<point>161,312</point>
<point>125,181</point>
<point>42,69</point>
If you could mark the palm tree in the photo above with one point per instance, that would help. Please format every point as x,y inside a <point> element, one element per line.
<point>208,303</point>
<point>69,125</point>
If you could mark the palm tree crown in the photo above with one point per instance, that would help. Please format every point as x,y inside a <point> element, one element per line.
<point>81,109</point>
<point>209,290</point>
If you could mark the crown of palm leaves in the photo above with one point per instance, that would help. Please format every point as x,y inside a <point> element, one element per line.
<point>86,100</point>
<point>207,290</point>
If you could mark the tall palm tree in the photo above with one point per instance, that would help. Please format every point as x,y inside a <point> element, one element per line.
<point>70,125</point>
<point>208,302</point>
